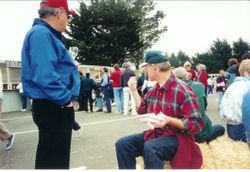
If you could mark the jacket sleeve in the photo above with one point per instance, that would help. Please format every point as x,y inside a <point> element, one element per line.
<point>44,60</point>
<point>246,115</point>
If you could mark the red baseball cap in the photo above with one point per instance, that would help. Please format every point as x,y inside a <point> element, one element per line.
<point>57,4</point>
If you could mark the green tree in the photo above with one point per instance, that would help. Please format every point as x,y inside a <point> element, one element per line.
<point>111,31</point>
<point>173,60</point>
<point>240,47</point>
<point>179,59</point>
<point>208,60</point>
<point>221,51</point>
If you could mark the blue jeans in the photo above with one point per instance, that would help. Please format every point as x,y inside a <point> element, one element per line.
<point>154,152</point>
<point>210,89</point>
<point>106,93</point>
<point>219,98</point>
<point>118,93</point>
<point>218,130</point>
<point>236,132</point>
<point>99,103</point>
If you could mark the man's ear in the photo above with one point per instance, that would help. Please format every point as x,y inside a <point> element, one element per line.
<point>155,67</point>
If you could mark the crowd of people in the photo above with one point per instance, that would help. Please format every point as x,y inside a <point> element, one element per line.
<point>179,94</point>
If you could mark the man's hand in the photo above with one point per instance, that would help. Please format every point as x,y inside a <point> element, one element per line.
<point>132,83</point>
<point>163,123</point>
<point>69,105</point>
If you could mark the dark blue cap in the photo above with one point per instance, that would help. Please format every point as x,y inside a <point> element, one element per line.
<point>155,57</point>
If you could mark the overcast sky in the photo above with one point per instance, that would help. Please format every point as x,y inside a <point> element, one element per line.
<point>192,25</point>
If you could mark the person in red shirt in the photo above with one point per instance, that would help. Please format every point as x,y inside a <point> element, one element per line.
<point>115,76</point>
<point>172,139</point>
<point>188,67</point>
<point>202,75</point>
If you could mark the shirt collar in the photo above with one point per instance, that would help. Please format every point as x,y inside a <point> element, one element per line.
<point>167,84</point>
<point>39,21</point>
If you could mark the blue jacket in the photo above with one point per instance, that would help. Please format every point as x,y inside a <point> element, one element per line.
<point>47,69</point>
<point>246,115</point>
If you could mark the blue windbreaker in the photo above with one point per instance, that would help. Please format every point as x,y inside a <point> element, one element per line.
<point>47,69</point>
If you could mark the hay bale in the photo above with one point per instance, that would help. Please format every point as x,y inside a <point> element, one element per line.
<point>208,157</point>
<point>222,153</point>
<point>229,154</point>
<point>140,164</point>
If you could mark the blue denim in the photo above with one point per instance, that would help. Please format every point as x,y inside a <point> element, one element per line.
<point>99,103</point>
<point>219,98</point>
<point>246,116</point>
<point>236,132</point>
<point>218,130</point>
<point>210,89</point>
<point>154,152</point>
<point>118,93</point>
<point>106,92</point>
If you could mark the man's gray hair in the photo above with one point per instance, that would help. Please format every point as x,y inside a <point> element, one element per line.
<point>126,65</point>
<point>203,67</point>
<point>180,73</point>
<point>46,12</point>
<point>164,66</point>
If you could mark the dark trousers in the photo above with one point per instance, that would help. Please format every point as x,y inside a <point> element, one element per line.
<point>55,128</point>
<point>76,126</point>
<point>154,152</point>
<point>106,92</point>
<point>80,100</point>
<point>87,99</point>
<point>24,101</point>
<point>236,132</point>
<point>218,130</point>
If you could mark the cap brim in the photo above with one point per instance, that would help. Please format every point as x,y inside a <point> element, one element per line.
<point>142,64</point>
<point>71,12</point>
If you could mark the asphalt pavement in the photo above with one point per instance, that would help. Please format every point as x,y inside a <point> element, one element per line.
<point>93,150</point>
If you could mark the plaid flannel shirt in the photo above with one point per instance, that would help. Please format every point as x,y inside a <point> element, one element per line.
<point>175,99</point>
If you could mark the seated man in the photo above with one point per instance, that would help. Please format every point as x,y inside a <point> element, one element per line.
<point>171,139</point>
<point>209,131</point>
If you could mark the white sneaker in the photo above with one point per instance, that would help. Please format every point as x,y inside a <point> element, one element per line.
<point>23,110</point>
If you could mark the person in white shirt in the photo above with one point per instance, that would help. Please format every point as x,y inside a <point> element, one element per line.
<point>23,97</point>
<point>231,103</point>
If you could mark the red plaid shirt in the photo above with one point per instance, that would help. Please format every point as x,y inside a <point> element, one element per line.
<point>176,99</point>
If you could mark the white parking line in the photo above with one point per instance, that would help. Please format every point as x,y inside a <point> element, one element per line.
<point>84,124</point>
<point>11,119</point>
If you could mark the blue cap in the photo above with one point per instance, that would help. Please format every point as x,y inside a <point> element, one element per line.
<point>153,57</point>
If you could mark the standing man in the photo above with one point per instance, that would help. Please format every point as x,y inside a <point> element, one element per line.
<point>125,75</point>
<point>87,85</point>
<point>106,89</point>
<point>51,79</point>
<point>115,76</point>
<point>172,139</point>
<point>5,135</point>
